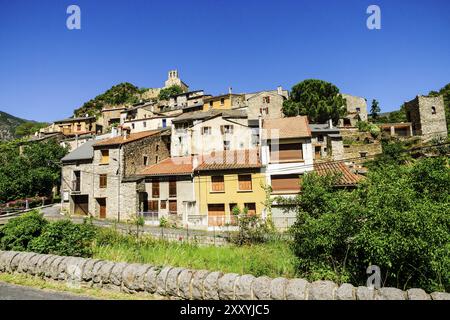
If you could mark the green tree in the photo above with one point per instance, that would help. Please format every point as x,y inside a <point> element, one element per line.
<point>166,93</point>
<point>374,109</point>
<point>398,219</point>
<point>29,128</point>
<point>317,99</point>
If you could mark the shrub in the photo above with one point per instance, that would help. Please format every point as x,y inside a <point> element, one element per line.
<point>19,232</point>
<point>65,238</point>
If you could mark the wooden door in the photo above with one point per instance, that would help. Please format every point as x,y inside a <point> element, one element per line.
<point>216,214</point>
<point>81,203</point>
<point>102,207</point>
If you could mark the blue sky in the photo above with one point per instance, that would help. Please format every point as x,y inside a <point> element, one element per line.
<point>46,70</point>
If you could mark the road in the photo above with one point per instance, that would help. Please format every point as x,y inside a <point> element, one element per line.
<point>15,292</point>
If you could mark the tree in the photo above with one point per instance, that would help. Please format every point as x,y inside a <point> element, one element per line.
<point>317,99</point>
<point>374,109</point>
<point>166,93</point>
<point>33,173</point>
<point>398,218</point>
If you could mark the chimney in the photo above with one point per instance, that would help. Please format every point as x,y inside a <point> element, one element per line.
<point>230,89</point>
<point>280,90</point>
<point>330,124</point>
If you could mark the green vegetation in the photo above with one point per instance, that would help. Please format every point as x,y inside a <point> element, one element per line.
<point>317,99</point>
<point>31,232</point>
<point>365,126</point>
<point>252,229</point>
<point>29,128</point>
<point>272,259</point>
<point>33,173</point>
<point>123,93</point>
<point>166,93</point>
<point>398,219</point>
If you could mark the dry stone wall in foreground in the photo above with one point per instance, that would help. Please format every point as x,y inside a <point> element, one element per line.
<point>181,283</point>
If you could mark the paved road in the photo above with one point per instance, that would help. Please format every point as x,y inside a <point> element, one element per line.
<point>15,292</point>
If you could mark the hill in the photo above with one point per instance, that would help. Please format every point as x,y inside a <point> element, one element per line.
<point>12,127</point>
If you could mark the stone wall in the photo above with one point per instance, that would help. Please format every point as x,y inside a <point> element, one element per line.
<point>180,283</point>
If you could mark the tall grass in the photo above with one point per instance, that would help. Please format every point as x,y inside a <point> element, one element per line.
<point>272,259</point>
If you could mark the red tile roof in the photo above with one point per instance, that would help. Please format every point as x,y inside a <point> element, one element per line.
<point>284,128</point>
<point>122,140</point>
<point>230,159</point>
<point>169,166</point>
<point>347,178</point>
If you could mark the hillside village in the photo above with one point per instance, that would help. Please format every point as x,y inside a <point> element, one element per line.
<point>194,158</point>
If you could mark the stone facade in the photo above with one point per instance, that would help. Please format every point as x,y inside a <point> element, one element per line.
<point>174,80</point>
<point>180,283</point>
<point>427,115</point>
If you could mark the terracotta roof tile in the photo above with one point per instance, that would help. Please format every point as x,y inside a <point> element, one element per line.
<point>283,128</point>
<point>169,166</point>
<point>230,159</point>
<point>347,178</point>
<point>131,137</point>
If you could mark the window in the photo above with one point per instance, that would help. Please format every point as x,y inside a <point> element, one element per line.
<point>163,204</point>
<point>173,206</point>
<point>433,110</point>
<point>211,104</point>
<point>157,147</point>
<point>363,154</point>
<point>251,208</point>
<point>144,124</point>
<point>285,183</point>
<point>266,99</point>
<point>245,182</point>
<point>226,145</point>
<point>155,189</point>
<point>153,206</point>
<point>172,188</point>
<point>145,161</point>
<point>103,181</point>
<point>156,159</point>
<point>164,123</point>
<point>78,127</point>
<point>226,129</point>
<point>105,157</point>
<point>132,126</point>
<point>222,101</point>
<point>320,138</point>
<point>317,152</point>
<point>217,184</point>
<point>206,131</point>
<point>358,109</point>
<point>264,110</point>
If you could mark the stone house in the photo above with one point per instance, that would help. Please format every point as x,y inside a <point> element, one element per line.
<point>356,111</point>
<point>110,116</point>
<point>73,126</point>
<point>268,104</point>
<point>186,101</point>
<point>98,176</point>
<point>427,117</point>
<point>214,130</point>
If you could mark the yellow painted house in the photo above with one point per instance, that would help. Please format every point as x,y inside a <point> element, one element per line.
<point>227,179</point>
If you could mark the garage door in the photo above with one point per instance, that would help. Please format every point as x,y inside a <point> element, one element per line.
<point>216,214</point>
<point>81,205</point>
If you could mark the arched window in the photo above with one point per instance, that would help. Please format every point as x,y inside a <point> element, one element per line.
<point>433,110</point>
